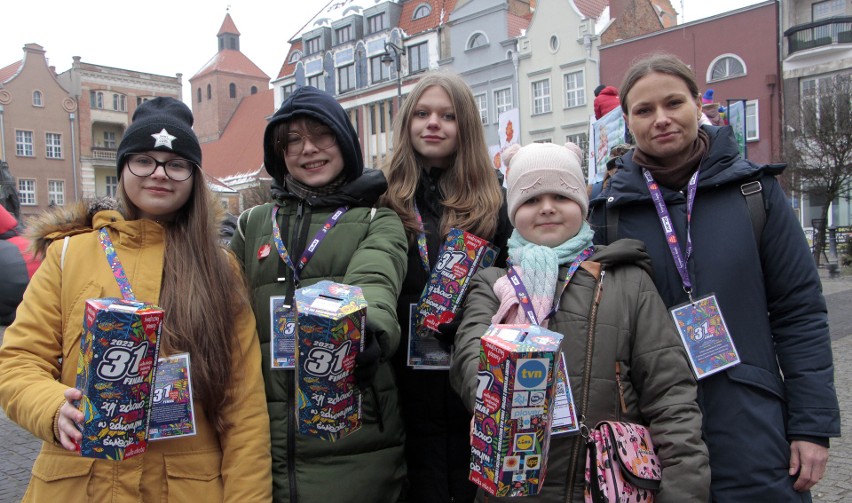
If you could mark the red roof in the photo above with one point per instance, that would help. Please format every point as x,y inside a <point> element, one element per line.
<point>517,24</point>
<point>228,26</point>
<point>288,68</point>
<point>240,148</point>
<point>231,61</point>
<point>10,71</point>
<point>433,20</point>
<point>591,8</point>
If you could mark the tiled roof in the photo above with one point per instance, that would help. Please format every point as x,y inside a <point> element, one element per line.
<point>231,61</point>
<point>591,8</point>
<point>288,68</point>
<point>240,148</point>
<point>518,24</point>
<point>228,26</point>
<point>433,20</point>
<point>10,71</point>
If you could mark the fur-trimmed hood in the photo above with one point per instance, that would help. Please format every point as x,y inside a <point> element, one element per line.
<point>57,223</point>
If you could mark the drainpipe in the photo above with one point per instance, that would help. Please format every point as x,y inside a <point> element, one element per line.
<point>2,136</point>
<point>71,117</point>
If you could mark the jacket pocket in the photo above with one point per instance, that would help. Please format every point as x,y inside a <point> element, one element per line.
<point>757,377</point>
<point>56,476</point>
<point>73,329</point>
<point>195,476</point>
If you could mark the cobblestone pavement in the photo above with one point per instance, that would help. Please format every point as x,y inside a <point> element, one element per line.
<point>18,448</point>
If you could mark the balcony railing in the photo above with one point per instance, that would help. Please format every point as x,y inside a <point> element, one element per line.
<point>834,30</point>
<point>103,154</point>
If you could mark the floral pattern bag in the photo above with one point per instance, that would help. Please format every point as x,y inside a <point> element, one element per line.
<point>621,464</point>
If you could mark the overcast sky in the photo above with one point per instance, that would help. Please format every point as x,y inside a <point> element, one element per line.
<point>179,36</point>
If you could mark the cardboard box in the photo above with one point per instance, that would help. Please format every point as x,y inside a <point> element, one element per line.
<point>462,254</point>
<point>513,412</point>
<point>118,353</point>
<point>332,321</point>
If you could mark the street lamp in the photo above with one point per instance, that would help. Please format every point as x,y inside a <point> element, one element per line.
<point>387,59</point>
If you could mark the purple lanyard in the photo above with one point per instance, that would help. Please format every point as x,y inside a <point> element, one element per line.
<point>680,259</point>
<point>421,242</point>
<point>312,248</point>
<point>524,298</point>
<point>115,265</point>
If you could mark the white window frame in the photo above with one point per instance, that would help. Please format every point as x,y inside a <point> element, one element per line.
<point>96,99</point>
<point>109,140</point>
<point>418,54</point>
<point>313,45</point>
<point>24,143</point>
<point>56,192</point>
<point>349,71</point>
<point>53,145</point>
<point>384,70</point>
<point>506,105</point>
<point>376,23</point>
<point>317,80</point>
<point>752,134</point>
<point>581,140</point>
<point>345,30</point>
<point>832,8</point>
<point>27,191</point>
<point>728,75</point>
<point>421,11</point>
<point>541,102</point>
<point>575,96</point>
<point>111,185</point>
<point>482,105</point>
<point>38,98</point>
<point>476,40</point>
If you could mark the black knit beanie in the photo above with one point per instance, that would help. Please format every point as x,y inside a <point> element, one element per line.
<point>160,124</point>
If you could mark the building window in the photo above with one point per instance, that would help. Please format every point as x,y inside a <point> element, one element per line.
<point>96,98</point>
<point>581,140</point>
<point>295,57</point>
<point>375,23</point>
<point>24,143</point>
<point>554,43</point>
<point>541,96</point>
<point>418,57</point>
<point>503,100</point>
<point>544,140</point>
<point>286,91</point>
<point>827,9</point>
<point>232,90</point>
<point>575,90</point>
<point>379,71</point>
<point>726,67</point>
<point>119,102</point>
<point>209,92</point>
<point>343,35</point>
<point>37,101</point>
<point>752,123</point>
<point>312,46</point>
<point>482,105</point>
<point>253,90</point>
<point>477,40</point>
<point>56,192</point>
<point>422,11</point>
<point>53,145</point>
<point>317,81</point>
<point>109,139</point>
<point>199,94</point>
<point>111,186</point>
<point>346,78</point>
<point>27,191</point>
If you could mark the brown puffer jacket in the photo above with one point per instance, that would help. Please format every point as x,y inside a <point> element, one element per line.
<point>634,330</point>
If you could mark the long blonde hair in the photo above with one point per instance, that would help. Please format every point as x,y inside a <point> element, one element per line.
<point>472,194</point>
<point>202,295</point>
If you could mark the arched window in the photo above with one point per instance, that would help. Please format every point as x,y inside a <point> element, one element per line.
<point>421,11</point>
<point>478,39</point>
<point>232,90</point>
<point>726,66</point>
<point>209,92</point>
<point>37,101</point>
<point>199,94</point>
<point>296,56</point>
<point>254,89</point>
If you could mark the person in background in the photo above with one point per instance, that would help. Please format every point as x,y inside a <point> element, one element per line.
<point>768,419</point>
<point>18,266</point>
<point>439,177</point>
<point>606,100</point>
<point>164,236</point>
<point>611,167</point>
<point>313,154</point>
<point>636,369</point>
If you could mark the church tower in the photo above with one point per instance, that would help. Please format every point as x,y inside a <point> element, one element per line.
<point>222,83</point>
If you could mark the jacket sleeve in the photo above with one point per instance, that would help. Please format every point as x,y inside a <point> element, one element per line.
<point>378,267</point>
<point>799,321</point>
<point>246,455</point>
<point>238,240</point>
<point>32,351</point>
<point>667,398</point>
<point>480,305</point>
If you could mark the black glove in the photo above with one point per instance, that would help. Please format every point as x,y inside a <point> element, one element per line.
<point>446,333</point>
<point>367,362</point>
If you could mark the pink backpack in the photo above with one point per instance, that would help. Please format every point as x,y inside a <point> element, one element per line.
<point>621,464</point>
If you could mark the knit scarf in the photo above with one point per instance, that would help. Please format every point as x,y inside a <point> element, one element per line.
<point>675,177</point>
<point>303,191</point>
<point>538,268</point>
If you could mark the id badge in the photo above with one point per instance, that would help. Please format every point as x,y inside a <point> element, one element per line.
<point>172,409</point>
<point>705,336</point>
<point>424,350</point>
<point>564,410</point>
<point>282,344</point>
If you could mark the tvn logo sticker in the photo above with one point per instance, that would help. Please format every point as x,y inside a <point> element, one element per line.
<point>531,373</point>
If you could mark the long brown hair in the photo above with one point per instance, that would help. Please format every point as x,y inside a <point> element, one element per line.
<point>202,295</point>
<point>657,63</point>
<point>472,194</point>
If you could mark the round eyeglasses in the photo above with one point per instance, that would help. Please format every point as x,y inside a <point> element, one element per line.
<point>176,169</point>
<point>295,142</point>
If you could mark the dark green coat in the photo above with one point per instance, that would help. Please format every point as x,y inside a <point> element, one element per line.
<point>634,329</point>
<point>366,248</point>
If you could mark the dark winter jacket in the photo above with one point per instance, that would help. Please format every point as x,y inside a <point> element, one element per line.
<point>17,263</point>
<point>367,249</point>
<point>606,101</point>
<point>770,297</point>
<point>631,329</point>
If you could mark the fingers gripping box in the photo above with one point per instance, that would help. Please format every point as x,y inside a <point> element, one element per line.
<point>513,412</point>
<point>118,353</point>
<point>331,332</point>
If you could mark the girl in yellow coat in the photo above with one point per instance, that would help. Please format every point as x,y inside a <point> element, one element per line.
<point>165,239</point>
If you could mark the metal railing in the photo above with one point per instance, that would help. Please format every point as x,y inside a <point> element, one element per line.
<point>834,30</point>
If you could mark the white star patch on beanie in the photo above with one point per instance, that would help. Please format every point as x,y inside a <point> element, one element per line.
<point>163,139</point>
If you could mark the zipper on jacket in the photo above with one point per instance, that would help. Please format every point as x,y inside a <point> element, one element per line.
<point>620,392</point>
<point>587,375</point>
<point>291,389</point>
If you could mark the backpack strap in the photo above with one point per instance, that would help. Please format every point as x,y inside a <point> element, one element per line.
<point>753,193</point>
<point>64,250</point>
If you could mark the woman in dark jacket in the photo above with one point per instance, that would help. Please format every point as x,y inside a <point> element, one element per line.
<point>768,419</point>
